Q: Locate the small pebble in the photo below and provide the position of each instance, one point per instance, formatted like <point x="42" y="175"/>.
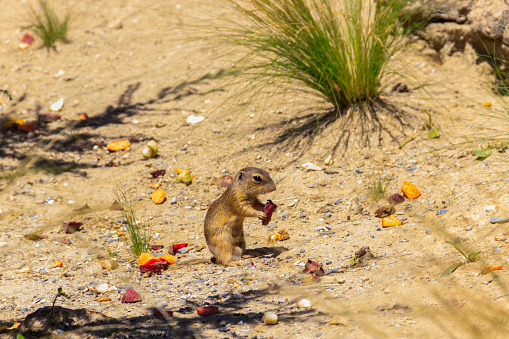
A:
<point x="469" y="228"/>
<point x="440" y="212"/>
<point x="173" y="201"/>
<point x="499" y="220"/>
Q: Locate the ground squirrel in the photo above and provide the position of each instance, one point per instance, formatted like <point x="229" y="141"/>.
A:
<point x="224" y="221"/>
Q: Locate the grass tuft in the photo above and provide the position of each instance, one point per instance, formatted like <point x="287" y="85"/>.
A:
<point x="48" y="26"/>
<point x="138" y="235"/>
<point x="377" y="188"/>
<point x="339" y="49"/>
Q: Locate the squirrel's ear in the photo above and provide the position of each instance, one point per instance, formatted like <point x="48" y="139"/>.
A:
<point x="239" y="175"/>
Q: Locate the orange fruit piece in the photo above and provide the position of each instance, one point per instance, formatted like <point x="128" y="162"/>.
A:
<point x="410" y="191"/>
<point x="180" y="170"/>
<point x="391" y="221"/>
<point x="58" y="263"/>
<point x="118" y="145"/>
<point x="158" y="196"/>
<point x="488" y="269"/>
<point x="104" y="299"/>
<point x="486" y="104"/>
<point x="8" y="123"/>
<point x="170" y="259"/>
<point x="145" y="258"/>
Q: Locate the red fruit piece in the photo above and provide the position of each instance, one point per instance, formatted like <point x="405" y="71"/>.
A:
<point x="312" y="267"/>
<point x="71" y="227"/>
<point x="27" y="39"/>
<point x="131" y="296"/>
<point x="155" y="268"/>
<point x="157" y="173"/>
<point x="177" y="247"/>
<point x="206" y="310"/>
<point x="268" y="209"/>
<point x="28" y="127"/>
<point x="396" y="198"/>
<point x="156" y="247"/>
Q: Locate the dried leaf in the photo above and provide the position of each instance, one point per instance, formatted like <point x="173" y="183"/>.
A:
<point x="161" y="314"/>
<point x="451" y="269"/>
<point x="71" y="227"/>
<point x="482" y="154"/>
<point x="33" y="237"/>
<point x="157" y="173"/>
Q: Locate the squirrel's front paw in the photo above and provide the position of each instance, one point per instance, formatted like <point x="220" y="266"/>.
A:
<point x="262" y="216"/>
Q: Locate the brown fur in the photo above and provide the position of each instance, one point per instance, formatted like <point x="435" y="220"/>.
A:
<point x="224" y="222"/>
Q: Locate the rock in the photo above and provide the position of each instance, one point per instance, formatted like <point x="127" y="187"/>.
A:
<point x="109" y="264"/>
<point x="453" y="26"/>
<point x="469" y="228"/>
<point x="304" y="303"/>
<point x="499" y="220"/>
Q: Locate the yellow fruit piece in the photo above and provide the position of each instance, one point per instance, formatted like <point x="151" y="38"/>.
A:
<point x="391" y="221"/>
<point x="169" y="258"/>
<point x="58" y="263"/>
<point x="118" y="145"/>
<point x="486" y="104"/>
<point x="104" y="299"/>
<point x="180" y="171"/>
<point x="410" y="191"/>
<point x="158" y="196"/>
<point x="275" y="237"/>
<point x="144" y="258"/>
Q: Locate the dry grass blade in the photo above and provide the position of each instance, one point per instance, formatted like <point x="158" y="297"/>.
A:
<point x="337" y="49"/>
<point x="48" y="26"/>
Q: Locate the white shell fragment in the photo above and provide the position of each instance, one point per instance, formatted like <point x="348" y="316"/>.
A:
<point x="193" y="119"/>
<point x="328" y="161"/>
<point x="304" y="303"/>
<point x="103" y="288"/>
<point x="309" y="166"/>
<point x="23" y="270"/>
<point x="59" y="73"/>
<point x="270" y="318"/>
<point x="57" y="106"/>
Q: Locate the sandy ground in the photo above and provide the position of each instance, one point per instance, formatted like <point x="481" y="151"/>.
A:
<point x="126" y="69"/>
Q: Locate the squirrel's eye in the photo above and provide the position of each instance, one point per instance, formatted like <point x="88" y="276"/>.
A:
<point x="257" y="178"/>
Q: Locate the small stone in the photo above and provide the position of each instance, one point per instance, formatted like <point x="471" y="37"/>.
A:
<point x="499" y="220"/>
<point x="469" y="228"/>
<point x="304" y="303"/>
<point x="440" y="212"/>
<point x="328" y="214"/>
<point x="173" y="201"/>
<point x="109" y="264"/>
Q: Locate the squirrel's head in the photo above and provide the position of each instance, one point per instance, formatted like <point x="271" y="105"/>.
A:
<point x="255" y="181"/>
